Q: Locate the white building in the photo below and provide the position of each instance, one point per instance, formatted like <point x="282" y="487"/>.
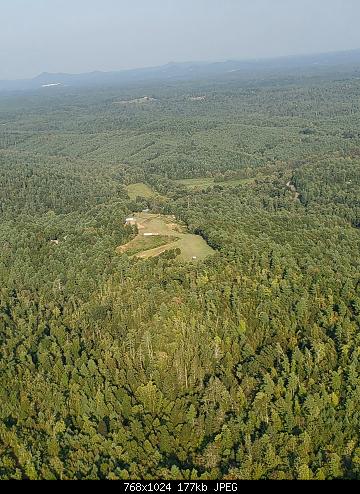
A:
<point x="130" y="221"/>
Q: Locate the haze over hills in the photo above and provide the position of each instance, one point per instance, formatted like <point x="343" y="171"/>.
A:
<point x="191" y="71"/>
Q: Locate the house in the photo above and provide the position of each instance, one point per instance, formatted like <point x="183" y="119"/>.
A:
<point x="130" y="222"/>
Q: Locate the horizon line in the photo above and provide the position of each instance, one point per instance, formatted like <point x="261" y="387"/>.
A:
<point x="212" y="61"/>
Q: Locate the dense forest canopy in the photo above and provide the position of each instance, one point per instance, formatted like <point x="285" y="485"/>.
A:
<point x="242" y="366"/>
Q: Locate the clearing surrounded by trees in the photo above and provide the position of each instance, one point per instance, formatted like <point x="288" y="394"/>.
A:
<point x="166" y="234"/>
<point x="140" y="190"/>
<point x="205" y="182"/>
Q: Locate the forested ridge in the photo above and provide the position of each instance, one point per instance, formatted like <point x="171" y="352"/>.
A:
<point x="242" y="366"/>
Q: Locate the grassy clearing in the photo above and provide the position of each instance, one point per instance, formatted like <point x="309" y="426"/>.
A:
<point x="193" y="246"/>
<point x="202" y="183"/>
<point x="140" y="189"/>
<point x="170" y="235"/>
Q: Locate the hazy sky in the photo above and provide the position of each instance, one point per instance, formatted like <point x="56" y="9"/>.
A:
<point x="86" y="35"/>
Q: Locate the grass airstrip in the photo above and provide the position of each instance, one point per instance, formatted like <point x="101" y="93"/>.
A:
<point x="159" y="233"/>
<point x="204" y="183"/>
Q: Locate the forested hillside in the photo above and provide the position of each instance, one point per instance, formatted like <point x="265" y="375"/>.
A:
<point x="242" y="366"/>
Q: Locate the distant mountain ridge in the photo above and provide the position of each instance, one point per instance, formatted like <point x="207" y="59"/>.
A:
<point x="185" y="71"/>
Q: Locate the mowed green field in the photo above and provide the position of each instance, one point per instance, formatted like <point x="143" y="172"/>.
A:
<point x="193" y="247"/>
<point x="140" y="190"/>
<point x="202" y="183"/>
